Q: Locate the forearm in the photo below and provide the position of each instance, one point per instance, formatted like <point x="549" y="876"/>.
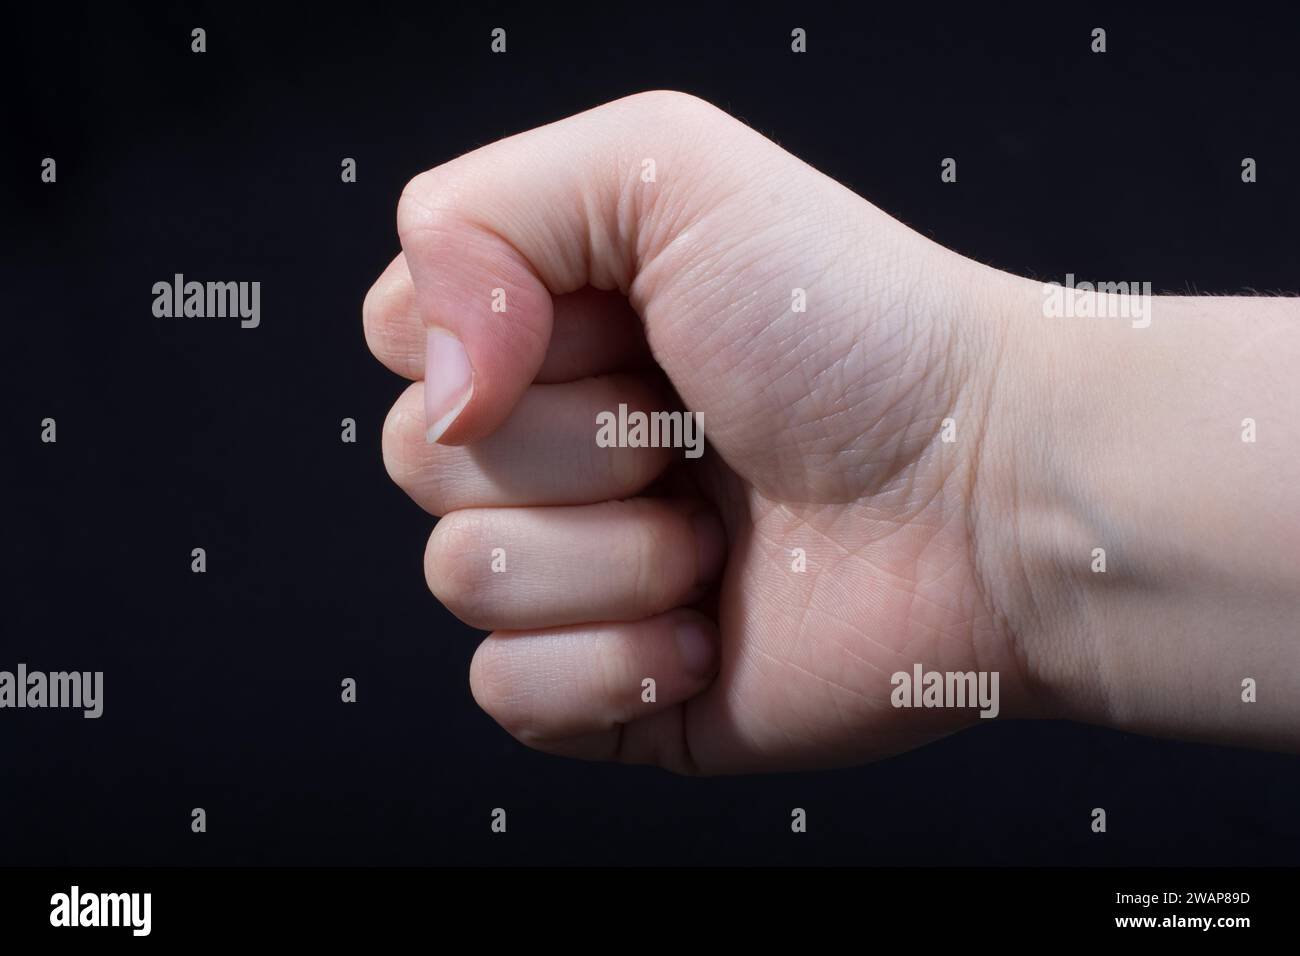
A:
<point x="1132" y="443"/>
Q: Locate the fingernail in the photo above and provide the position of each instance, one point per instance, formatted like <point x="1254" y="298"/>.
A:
<point x="710" y="545"/>
<point x="697" y="648"/>
<point x="448" y="381"/>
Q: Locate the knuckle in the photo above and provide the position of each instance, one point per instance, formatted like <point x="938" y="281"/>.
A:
<point x="427" y="473"/>
<point x="495" y="689"/>
<point x="388" y="316"/>
<point x="395" y="442"/>
<point x="417" y="209"/>
<point x="370" y="311"/>
<point x="456" y="567"/>
<point x="675" y="103"/>
<point x="391" y="449"/>
<point x="432" y="475"/>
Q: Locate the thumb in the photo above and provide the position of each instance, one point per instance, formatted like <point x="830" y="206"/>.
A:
<point x="491" y="236"/>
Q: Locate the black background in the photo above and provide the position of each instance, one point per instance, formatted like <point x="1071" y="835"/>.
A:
<point x="222" y="689"/>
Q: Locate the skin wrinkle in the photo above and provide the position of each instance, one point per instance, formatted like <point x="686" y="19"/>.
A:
<point x="645" y="213"/>
<point x="600" y="271"/>
<point x="737" y="702"/>
<point x="748" y="264"/>
<point x="801" y="627"/>
<point x="1004" y="632"/>
<point x="702" y="299"/>
<point x="892" y="466"/>
<point x="569" y="284"/>
<point x="782" y="662"/>
<point x="839" y="407"/>
<point x="856" y="628"/>
<point x="811" y="392"/>
<point x="786" y="664"/>
<point x="848" y="554"/>
<point x="644" y="288"/>
<point x="721" y="330"/>
<point x="898" y="462"/>
<point x="742" y="262"/>
<point x="914" y="593"/>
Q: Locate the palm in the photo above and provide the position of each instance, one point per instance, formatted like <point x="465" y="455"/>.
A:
<point x="835" y="578"/>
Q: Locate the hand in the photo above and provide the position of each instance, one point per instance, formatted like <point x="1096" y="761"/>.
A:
<point x="873" y="495"/>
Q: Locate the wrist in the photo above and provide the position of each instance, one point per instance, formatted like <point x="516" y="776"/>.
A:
<point x="1035" y="521"/>
<point x="1140" y="552"/>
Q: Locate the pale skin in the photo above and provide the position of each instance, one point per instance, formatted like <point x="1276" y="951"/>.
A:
<point x="824" y="437"/>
